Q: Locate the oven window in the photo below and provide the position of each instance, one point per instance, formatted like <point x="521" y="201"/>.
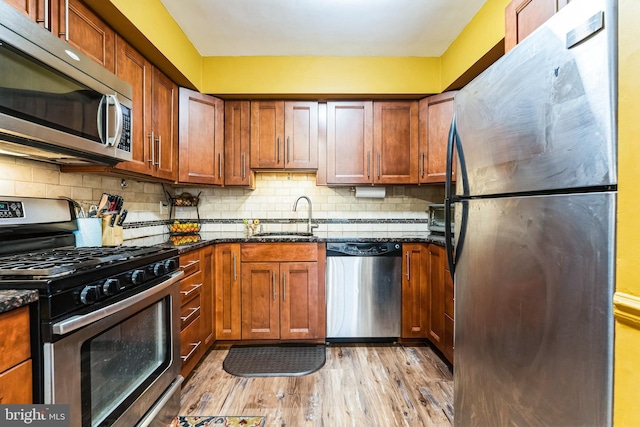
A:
<point x="121" y="362"/>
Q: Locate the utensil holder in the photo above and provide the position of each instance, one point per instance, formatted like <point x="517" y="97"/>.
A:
<point x="89" y="232"/>
<point x="111" y="236"/>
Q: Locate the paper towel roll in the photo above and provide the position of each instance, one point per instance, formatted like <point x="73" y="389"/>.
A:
<point x="89" y="232"/>
<point x="371" y="192"/>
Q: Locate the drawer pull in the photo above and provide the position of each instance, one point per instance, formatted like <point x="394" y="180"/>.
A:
<point x="193" y="350"/>
<point x="194" y="262"/>
<point x="193" y="289"/>
<point x="194" y="310"/>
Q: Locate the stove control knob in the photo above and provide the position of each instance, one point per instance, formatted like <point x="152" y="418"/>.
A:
<point x="157" y="269"/>
<point x="111" y="287"/>
<point x="170" y="265"/>
<point x="137" y="277"/>
<point x="89" y="295"/>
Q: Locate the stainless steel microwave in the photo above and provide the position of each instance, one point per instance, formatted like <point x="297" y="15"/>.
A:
<point x="56" y="104"/>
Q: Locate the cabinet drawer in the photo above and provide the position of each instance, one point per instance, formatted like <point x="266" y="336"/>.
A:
<point x="189" y="312"/>
<point x="190" y="340"/>
<point x="278" y="252"/>
<point x="190" y="262"/>
<point x="14" y="339"/>
<point x="15" y="384"/>
<point x="191" y="287"/>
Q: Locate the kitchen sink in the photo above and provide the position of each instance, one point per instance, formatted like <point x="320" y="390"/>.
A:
<point x="281" y="235"/>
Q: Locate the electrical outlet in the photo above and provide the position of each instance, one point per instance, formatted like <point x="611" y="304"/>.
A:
<point x="164" y="208"/>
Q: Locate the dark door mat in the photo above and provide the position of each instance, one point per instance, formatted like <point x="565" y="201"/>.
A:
<point x="274" y="360"/>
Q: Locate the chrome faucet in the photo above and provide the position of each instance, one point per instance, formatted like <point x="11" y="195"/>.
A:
<point x="310" y="226"/>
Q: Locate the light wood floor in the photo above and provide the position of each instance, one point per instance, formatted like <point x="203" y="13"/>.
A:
<point x="360" y="385"/>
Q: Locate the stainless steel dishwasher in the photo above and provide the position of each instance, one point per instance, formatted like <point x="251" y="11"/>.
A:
<point x="364" y="283"/>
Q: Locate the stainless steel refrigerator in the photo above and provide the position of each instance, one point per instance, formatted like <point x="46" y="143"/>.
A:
<point x="535" y="203"/>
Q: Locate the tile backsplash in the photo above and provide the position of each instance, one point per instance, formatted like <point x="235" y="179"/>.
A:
<point x="223" y="209"/>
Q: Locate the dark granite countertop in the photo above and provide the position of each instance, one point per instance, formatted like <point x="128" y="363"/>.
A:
<point x="11" y="298"/>
<point x="208" y="238"/>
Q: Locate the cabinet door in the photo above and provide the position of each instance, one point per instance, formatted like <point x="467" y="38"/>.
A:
<point x="34" y="9"/>
<point x="164" y="117"/>
<point x="227" y="301"/>
<point x="395" y="135"/>
<point x="267" y="134"/>
<point x="136" y="70"/>
<point x="415" y="291"/>
<point x="301" y="135"/>
<point x="299" y="309"/>
<point x="448" y="315"/>
<point x="82" y="28"/>
<point x="436" y="114"/>
<point x="201" y="138"/>
<point x="16" y="384"/>
<point x="260" y="300"/>
<point x="236" y="144"/>
<point x="522" y="17"/>
<point x="206" y="297"/>
<point x="349" y="142"/>
<point x="436" y="295"/>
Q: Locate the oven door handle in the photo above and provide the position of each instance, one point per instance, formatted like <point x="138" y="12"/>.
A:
<point x="77" y="322"/>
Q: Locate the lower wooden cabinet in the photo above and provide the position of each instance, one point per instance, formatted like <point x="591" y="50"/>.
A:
<point x="196" y="307"/>
<point x="15" y="358"/>
<point x="415" y="291"/>
<point x="227" y="291"/>
<point x="427" y="296"/>
<point x="282" y="292"/>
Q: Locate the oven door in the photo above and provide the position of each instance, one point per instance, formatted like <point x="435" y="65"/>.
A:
<point x="120" y="365"/>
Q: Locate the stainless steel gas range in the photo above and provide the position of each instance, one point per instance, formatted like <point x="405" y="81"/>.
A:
<point x="106" y="330"/>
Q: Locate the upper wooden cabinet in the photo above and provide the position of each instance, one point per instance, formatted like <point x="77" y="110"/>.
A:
<point x="522" y="17"/>
<point x="349" y="142"/>
<point x="436" y="114"/>
<point x="237" y="144"/>
<point x="395" y="141"/>
<point x="372" y="142"/>
<point x="37" y="10"/>
<point x="284" y="135"/>
<point x="82" y="28"/>
<point x="155" y="117"/>
<point x="201" y="155"/>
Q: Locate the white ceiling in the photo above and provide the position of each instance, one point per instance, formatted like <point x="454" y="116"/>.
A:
<point x="322" y="27"/>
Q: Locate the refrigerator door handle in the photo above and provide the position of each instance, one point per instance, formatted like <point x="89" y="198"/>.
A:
<point x="447" y="199"/>
<point x="454" y="140"/>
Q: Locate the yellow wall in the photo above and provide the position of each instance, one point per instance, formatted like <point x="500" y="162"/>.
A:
<point x="320" y="75"/>
<point x="153" y="20"/>
<point x="483" y="32"/>
<point x="316" y="75"/>
<point x="627" y="298"/>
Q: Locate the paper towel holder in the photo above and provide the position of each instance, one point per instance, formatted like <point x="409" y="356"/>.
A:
<point x="369" y="192"/>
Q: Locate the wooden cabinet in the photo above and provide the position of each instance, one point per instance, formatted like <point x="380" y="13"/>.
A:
<point x="349" y="142"/>
<point x="237" y="144"/>
<point x="282" y="292"/>
<point x="395" y="141"/>
<point x="436" y="114"/>
<point x="284" y="135"/>
<point x="415" y="291"/>
<point x="201" y="152"/>
<point x="83" y="29"/>
<point x="227" y="292"/>
<point x="447" y="348"/>
<point x="34" y="9"/>
<point x="435" y="261"/>
<point x="522" y="17"/>
<point x="196" y="308"/>
<point x="15" y="358"/>
<point x="372" y="142"/>
<point x="154" y="123"/>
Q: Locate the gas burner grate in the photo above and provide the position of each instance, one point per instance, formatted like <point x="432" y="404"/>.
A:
<point x="63" y="261"/>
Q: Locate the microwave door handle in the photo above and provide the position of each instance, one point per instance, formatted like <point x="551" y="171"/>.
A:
<point x="103" y="120"/>
<point x="106" y="103"/>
